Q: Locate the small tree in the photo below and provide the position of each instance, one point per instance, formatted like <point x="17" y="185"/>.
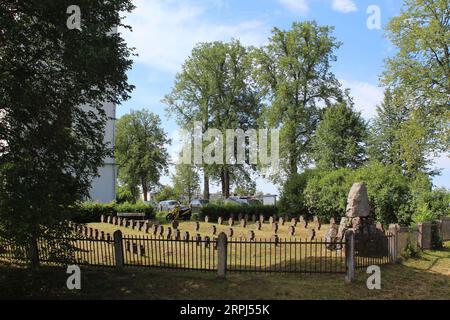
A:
<point x="141" y="150"/>
<point x="186" y="181"/>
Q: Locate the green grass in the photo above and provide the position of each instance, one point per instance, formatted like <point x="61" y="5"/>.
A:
<point x="427" y="277"/>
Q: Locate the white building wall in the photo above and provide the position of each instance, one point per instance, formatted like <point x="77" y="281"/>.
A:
<point x="104" y="187"/>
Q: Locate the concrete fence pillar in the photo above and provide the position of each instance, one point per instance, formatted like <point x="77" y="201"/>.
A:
<point x="349" y="255"/>
<point x="222" y="245"/>
<point x="393" y="242"/>
<point x="118" y="250"/>
<point x="425" y="233"/>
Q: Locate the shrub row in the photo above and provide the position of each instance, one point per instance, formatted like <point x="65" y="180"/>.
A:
<point x="214" y="211"/>
<point x="92" y="211"/>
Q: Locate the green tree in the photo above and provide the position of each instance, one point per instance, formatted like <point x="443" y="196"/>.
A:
<point x="294" y="70"/>
<point x="167" y="193"/>
<point x="384" y="144"/>
<point x="186" y="181"/>
<point x="141" y="152"/>
<point x="339" y="141"/>
<point x="421" y="67"/>
<point x="53" y="85"/>
<point x="215" y="88"/>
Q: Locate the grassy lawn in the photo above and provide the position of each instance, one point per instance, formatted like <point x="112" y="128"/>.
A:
<point x="427" y="277"/>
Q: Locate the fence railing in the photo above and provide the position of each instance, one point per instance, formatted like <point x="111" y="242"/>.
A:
<point x="220" y="254"/>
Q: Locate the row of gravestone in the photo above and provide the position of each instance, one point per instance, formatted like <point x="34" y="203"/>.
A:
<point x="302" y="222"/>
<point x="89" y="232"/>
<point x="138" y="225"/>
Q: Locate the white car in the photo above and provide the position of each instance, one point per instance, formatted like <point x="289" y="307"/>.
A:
<point x="167" y="205"/>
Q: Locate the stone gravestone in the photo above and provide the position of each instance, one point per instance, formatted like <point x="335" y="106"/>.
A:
<point x="91" y="232"/>
<point x="294" y="222"/>
<point x="271" y="220"/>
<point x="155" y="229"/>
<point x="197" y="226"/>
<point x="230" y="232"/>
<point x="119" y="221"/>
<point x="138" y="226"/>
<point x="207" y="241"/>
<point x="251" y="235"/>
<point x="331" y="236"/>
<point x="311" y="234"/>
<point x="108" y="220"/>
<point x="303" y="222"/>
<point x="141" y="250"/>
<point x="253" y="218"/>
<point x="102" y="218"/>
<point x="332" y="221"/>
<point x="243" y="223"/>
<point x="291" y="231"/>
<point x="96" y="234"/>
<point x="198" y="239"/>
<point x="261" y="218"/>
<point x="108" y="237"/>
<point x="206" y="219"/>
<point x="258" y="225"/>
<point x="281" y="221"/>
<point x="175" y="224"/>
<point x="219" y="221"/>
<point x="230" y="222"/>
<point x="146" y="227"/>
<point x="161" y="231"/>
<point x="177" y="234"/>
<point x="213" y="230"/>
<point x="317" y="222"/>
<point x="102" y="235"/>
<point x="169" y="233"/>
<point x="132" y="224"/>
<point x="275" y="239"/>
<point x="125" y="222"/>
<point x="186" y="236"/>
<point x="275" y="227"/>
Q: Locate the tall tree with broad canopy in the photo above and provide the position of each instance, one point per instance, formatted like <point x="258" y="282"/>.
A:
<point x="294" y="71"/>
<point x="340" y="138"/>
<point x="215" y="87"/>
<point x="420" y="70"/>
<point x="141" y="152"/>
<point x="53" y="84"/>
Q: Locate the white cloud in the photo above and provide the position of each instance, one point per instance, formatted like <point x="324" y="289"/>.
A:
<point x="298" y="6"/>
<point x="366" y="96"/>
<point x="344" y="6"/>
<point x="164" y="32"/>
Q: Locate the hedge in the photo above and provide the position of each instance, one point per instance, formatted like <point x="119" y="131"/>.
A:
<point x="214" y="211"/>
<point x="87" y="212"/>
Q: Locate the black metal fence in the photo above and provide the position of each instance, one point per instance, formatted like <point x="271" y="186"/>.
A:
<point x="286" y="256"/>
<point x="159" y="252"/>
<point x="201" y="254"/>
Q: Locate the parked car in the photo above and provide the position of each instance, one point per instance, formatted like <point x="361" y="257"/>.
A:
<point x="197" y="204"/>
<point x="167" y="205"/>
<point x="243" y="201"/>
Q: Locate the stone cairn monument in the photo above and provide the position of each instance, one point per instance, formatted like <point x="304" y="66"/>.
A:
<point x="370" y="240"/>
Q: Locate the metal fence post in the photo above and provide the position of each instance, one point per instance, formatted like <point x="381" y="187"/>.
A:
<point x="33" y="253"/>
<point x="118" y="249"/>
<point x="222" y="245"/>
<point x="393" y="243"/>
<point x="349" y="255"/>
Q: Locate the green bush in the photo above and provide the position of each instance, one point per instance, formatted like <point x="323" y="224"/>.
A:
<point x="87" y="212"/>
<point x="390" y="193"/>
<point x="214" y="211"/>
<point x="292" y="201"/>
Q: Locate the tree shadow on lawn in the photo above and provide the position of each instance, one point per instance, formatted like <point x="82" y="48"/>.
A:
<point x="398" y="282"/>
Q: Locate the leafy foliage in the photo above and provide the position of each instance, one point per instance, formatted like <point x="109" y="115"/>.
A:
<point x="87" y="212"/>
<point x="53" y="86"/>
<point x="141" y="150"/>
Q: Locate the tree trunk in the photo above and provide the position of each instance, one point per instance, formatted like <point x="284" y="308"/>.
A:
<point x="205" y="185"/>
<point x="226" y="177"/>
<point x="144" y="189"/>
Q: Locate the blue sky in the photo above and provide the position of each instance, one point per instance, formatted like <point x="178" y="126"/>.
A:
<point x="165" y="31"/>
